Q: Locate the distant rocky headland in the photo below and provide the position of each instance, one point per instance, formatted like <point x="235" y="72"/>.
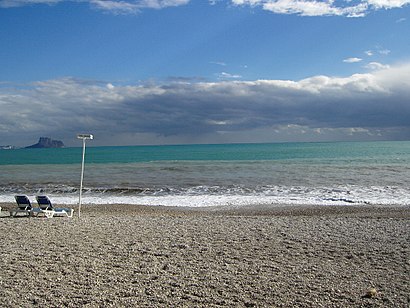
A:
<point x="45" y="142"/>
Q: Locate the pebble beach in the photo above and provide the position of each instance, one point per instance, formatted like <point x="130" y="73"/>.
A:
<point x="139" y="256"/>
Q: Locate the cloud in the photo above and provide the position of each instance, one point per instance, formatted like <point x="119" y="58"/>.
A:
<point x="112" y="6"/>
<point x="299" y="7"/>
<point x="384" y="51"/>
<point x="376" y="66"/>
<point x="160" y="4"/>
<point x="314" y="8"/>
<point x="110" y="86"/>
<point x="218" y="63"/>
<point x="323" y="8"/>
<point x="379" y="50"/>
<point x="116" y="7"/>
<point x="131" y="7"/>
<point x="388" y="4"/>
<point x="225" y="75"/>
<point x="17" y="3"/>
<point x="352" y="60"/>
<point x="373" y="105"/>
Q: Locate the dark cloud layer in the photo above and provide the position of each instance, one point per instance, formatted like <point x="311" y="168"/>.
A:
<point x="362" y="106"/>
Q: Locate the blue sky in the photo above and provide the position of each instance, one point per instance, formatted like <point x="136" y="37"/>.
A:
<point x="180" y="71"/>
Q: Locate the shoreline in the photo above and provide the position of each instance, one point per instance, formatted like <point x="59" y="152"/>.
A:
<point x="146" y="256"/>
<point x="243" y="210"/>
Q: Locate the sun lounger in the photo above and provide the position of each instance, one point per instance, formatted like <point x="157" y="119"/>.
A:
<point x="48" y="210"/>
<point x="23" y="206"/>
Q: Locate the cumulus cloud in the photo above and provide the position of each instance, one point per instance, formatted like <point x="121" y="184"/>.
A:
<point x="388" y="4"/>
<point x="305" y="8"/>
<point x="323" y="8"/>
<point x="366" y="105"/>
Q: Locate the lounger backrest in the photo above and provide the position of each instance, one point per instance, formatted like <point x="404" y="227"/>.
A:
<point x="44" y="203"/>
<point x="23" y="202"/>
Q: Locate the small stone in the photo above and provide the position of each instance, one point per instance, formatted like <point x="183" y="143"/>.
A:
<point x="372" y="292"/>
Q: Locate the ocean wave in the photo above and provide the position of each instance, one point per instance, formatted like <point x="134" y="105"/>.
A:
<point x="202" y="195"/>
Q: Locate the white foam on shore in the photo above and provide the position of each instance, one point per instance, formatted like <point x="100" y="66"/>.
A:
<point x="213" y="200"/>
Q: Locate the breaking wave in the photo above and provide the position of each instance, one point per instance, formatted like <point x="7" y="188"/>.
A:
<point x="202" y="195"/>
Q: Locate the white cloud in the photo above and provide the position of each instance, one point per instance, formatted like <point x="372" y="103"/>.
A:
<point x="384" y="51"/>
<point x="358" y="106"/>
<point x="352" y="60"/>
<point x="17" y="3"/>
<point x="304" y="8"/>
<point x="369" y="53"/>
<point x="300" y="7"/>
<point x="225" y="75"/>
<point x="130" y="7"/>
<point x="376" y="66"/>
<point x="218" y="63"/>
<point x="160" y="4"/>
<point x="323" y="8"/>
<point x="388" y="4"/>
<point x="112" y="6"/>
<point x="116" y="7"/>
<point x="110" y="86"/>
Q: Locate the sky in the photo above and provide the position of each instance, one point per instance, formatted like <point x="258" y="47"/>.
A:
<point x="136" y="72"/>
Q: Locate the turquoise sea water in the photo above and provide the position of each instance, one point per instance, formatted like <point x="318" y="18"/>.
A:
<point x="208" y="175"/>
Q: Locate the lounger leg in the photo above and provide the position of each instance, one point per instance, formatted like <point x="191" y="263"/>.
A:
<point x="16" y="212"/>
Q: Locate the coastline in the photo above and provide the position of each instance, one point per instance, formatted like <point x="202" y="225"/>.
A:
<point x="231" y="210"/>
<point x="287" y="256"/>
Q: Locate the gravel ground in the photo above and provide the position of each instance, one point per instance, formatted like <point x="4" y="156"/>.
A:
<point x="135" y="256"/>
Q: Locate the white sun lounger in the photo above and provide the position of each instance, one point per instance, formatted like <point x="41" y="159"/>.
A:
<point x="48" y="210"/>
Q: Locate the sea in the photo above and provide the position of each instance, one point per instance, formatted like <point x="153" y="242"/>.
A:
<point x="228" y="175"/>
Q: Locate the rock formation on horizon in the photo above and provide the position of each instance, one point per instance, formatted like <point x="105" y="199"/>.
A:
<point x="45" y="142"/>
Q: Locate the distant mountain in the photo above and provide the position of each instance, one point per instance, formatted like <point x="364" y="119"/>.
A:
<point x="45" y="142"/>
